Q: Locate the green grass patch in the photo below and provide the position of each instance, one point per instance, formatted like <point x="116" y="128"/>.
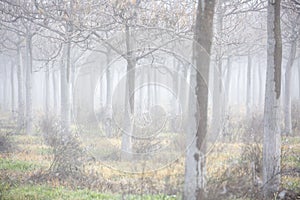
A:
<point x="16" y="165"/>
<point x="151" y="197"/>
<point x="37" y="192"/>
<point x="44" y="192"/>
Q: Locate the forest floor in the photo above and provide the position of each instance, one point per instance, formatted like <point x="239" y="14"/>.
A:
<point x="234" y="172"/>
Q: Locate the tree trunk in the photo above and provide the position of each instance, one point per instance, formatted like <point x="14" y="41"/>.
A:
<point x="108" y="118"/>
<point x="249" y="97"/>
<point x="238" y="82"/>
<point x="149" y="88"/>
<point x="217" y="120"/>
<point x="287" y="105"/>
<point x="65" y="88"/>
<point x="155" y="87"/>
<point x="299" y="78"/>
<point x="195" y="169"/>
<point x="55" y="92"/>
<point x="272" y="138"/>
<point x="227" y="85"/>
<point x="260" y="85"/>
<point x="29" y="122"/>
<point x="12" y="84"/>
<point x="218" y="93"/>
<point x="126" y="145"/>
<point x="47" y="91"/>
<point x="20" y="89"/>
<point x="175" y="83"/>
<point x="4" y="89"/>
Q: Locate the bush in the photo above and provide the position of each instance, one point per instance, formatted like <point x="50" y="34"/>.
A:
<point x="242" y="178"/>
<point x="6" y="143"/>
<point x="69" y="156"/>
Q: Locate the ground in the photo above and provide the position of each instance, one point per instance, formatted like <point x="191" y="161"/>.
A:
<point x="233" y="173"/>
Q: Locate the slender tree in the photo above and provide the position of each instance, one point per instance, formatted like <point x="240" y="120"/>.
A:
<point x="272" y="138"/>
<point x="195" y="171"/>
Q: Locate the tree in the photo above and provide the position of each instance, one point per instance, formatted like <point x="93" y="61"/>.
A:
<point x="272" y="138"/>
<point x="290" y="21"/>
<point x="287" y="101"/>
<point x="195" y="170"/>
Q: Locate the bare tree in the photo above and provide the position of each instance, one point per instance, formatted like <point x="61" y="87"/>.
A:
<point x="290" y="19"/>
<point x="195" y="171"/>
<point x="272" y="138"/>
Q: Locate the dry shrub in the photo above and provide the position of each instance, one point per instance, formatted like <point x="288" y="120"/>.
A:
<point x="69" y="156"/>
<point x="7" y="129"/>
<point x="244" y="129"/>
<point x="6" y="143"/>
<point x="242" y="179"/>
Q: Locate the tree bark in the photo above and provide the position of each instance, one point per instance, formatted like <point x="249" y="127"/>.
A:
<point x="299" y="78"/>
<point x="272" y="138"/>
<point x="47" y="91"/>
<point x="195" y="169"/>
<point x="55" y="92"/>
<point x="227" y="84"/>
<point x="4" y="89"/>
<point x="238" y="82"/>
<point x="65" y="88"/>
<point x="218" y="90"/>
<point x="12" y="84"/>
<point x="217" y="120"/>
<point x="29" y="119"/>
<point x="20" y="89"/>
<point x="260" y="85"/>
<point x="249" y="84"/>
<point x="126" y="145"/>
<point x="287" y="105"/>
<point x="108" y="118"/>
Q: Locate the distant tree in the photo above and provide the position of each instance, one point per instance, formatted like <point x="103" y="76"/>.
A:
<point x="291" y="24"/>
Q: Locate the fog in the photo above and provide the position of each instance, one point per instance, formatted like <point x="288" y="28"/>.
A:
<point x="139" y="99"/>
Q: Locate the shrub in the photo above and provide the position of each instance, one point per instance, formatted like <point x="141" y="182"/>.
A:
<point x="6" y="143"/>
<point x="69" y="156"/>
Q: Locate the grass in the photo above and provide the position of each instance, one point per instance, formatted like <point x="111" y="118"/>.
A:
<point x="37" y="192"/>
<point x="16" y="165"/>
<point x="34" y="155"/>
<point x="45" y="192"/>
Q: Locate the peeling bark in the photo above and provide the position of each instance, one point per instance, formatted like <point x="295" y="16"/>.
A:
<point x="195" y="169"/>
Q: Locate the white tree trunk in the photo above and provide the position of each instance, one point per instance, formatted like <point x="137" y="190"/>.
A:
<point x="12" y="84"/>
<point x="260" y="85"/>
<point x="272" y="138"/>
<point x="218" y="90"/>
<point x="55" y="91"/>
<point x="217" y="120"/>
<point x="126" y="145"/>
<point x="249" y="96"/>
<point x="29" y="122"/>
<point x="195" y="168"/>
<point x="227" y="85"/>
<point x="4" y="89"/>
<point x="238" y="82"/>
<point x="47" y="90"/>
<point x="20" y="89"/>
<point x="65" y="89"/>
<point x="299" y="78"/>
<point x="287" y="96"/>
<point x="149" y="89"/>
<point x="108" y="118"/>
